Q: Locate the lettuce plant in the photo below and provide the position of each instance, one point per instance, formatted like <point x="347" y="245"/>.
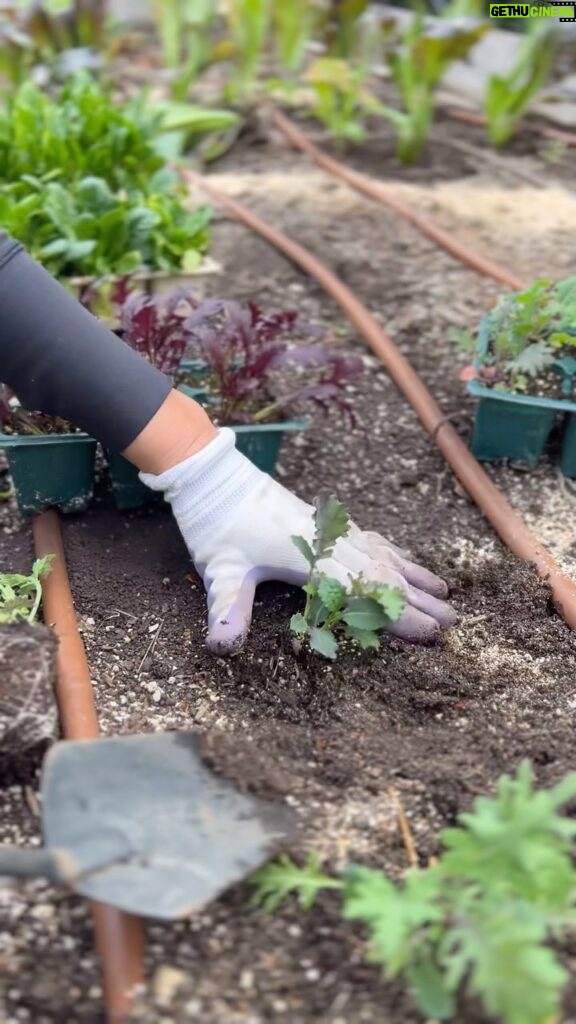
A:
<point x="418" y="62"/>
<point x="481" y="920"/>
<point x="508" y="97"/>
<point x="331" y="611"/>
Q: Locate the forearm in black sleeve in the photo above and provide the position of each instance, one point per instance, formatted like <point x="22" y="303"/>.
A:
<point x="61" y="360"/>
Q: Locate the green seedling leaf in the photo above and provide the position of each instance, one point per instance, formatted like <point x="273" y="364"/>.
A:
<point x="275" y="882"/>
<point x="392" y="601"/>
<point x="298" y="625"/>
<point x="304" y="549"/>
<point x="332" y="594"/>
<point x="365" y="613"/>
<point x="365" y="638"/>
<point x="324" y="642"/>
<point x="332" y="523"/>
<point x="434" y="999"/>
<point x="20" y="595"/>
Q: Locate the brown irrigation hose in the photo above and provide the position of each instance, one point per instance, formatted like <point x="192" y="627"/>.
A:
<point x="119" y="937"/>
<point x="471" y="117"/>
<point x="374" y="190"/>
<point x="473" y="478"/>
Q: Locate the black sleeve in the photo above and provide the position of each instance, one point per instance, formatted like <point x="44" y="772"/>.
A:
<point x="61" y="360"/>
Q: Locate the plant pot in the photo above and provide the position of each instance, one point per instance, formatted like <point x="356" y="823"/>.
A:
<point x="51" y="470"/>
<point x="513" y="426"/>
<point x="568" y="459"/>
<point x="154" y="282"/>
<point x="128" y="490"/>
<point x="261" y="442"/>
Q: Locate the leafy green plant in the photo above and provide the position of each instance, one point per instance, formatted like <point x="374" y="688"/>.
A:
<point x="480" y="921"/>
<point x="508" y="97"/>
<point x="531" y="333"/>
<point x="86" y="229"/>
<point x="339" y="25"/>
<point x="419" y="62"/>
<point x="185" y="28"/>
<point x="356" y="614"/>
<point x="248" y="23"/>
<point x="84" y="187"/>
<point x="293" y="27"/>
<point x="20" y="595"/>
<point x="342" y="98"/>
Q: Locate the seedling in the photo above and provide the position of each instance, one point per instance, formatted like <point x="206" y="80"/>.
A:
<point x="255" y="371"/>
<point x="248" y="24"/>
<point x="332" y="611"/>
<point x="293" y="27"/>
<point x="509" y="97"/>
<point x="340" y="27"/>
<point x="532" y="345"/>
<point x="418" y="63"/>
<point x="20" y="595"/>
<point x="16" y="420"/>
<point x="84" y="188"/>
<point x="478" y="922"/>
<point x="342" y="100"/>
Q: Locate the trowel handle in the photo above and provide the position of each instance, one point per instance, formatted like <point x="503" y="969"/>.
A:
<point x="31" y="863"/>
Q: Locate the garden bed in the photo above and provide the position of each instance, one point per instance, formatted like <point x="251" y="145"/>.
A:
<point x="439" y="725"/>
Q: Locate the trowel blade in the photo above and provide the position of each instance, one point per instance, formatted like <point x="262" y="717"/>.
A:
<point x="184" y="835"/>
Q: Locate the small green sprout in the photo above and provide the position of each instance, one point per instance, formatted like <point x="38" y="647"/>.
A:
<point x="477" y="922"/>
<point x="357" y="614"/>
<point x="20" y="595"/>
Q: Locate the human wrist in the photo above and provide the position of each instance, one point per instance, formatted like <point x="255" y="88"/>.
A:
<point x="179" y="429"/>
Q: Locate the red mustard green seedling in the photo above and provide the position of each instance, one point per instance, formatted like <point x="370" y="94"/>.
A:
<point x="333" y="612"/>
<point x="480" y="920"/>
<point x="256" y="369"/>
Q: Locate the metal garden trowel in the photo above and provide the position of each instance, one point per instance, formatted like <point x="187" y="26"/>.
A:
<point x="140" y="823"/>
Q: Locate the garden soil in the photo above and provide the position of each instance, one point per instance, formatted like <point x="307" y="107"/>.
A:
<point x="344" y="744"/>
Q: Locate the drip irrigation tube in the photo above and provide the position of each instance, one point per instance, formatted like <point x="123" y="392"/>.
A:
<point x="373" y="189"/>
<point x="473" y="478"/>
<point x="119" y="937"/>
<point x="471" y="117"/>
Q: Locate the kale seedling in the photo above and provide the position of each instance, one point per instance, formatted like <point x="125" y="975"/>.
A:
<point x="530" y="333"/>
<point x="358" y="613"/>
<point x="20" y="595"/>
<point x="479" y="921"/>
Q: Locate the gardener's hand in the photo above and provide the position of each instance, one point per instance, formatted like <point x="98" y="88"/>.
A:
<point x="238" y="523"/>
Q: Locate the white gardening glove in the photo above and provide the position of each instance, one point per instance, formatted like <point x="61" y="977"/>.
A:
<point x="238" y="523"/>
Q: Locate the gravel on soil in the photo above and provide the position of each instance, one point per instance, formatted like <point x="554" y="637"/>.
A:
<point x="438" y="725"/>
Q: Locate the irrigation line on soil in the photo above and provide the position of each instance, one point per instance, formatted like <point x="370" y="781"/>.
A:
<point x="119" y="936"/>
<point x="471" y="117"/>
<point x="473" y="478"/>
<point x="374" y="190"/>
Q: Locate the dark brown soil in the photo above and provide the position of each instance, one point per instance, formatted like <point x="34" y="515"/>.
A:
<point x="438" y="725"/>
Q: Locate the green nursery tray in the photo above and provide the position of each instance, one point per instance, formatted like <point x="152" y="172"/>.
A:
<point x="51" y="470"/>
<point x="513" y="426"/>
